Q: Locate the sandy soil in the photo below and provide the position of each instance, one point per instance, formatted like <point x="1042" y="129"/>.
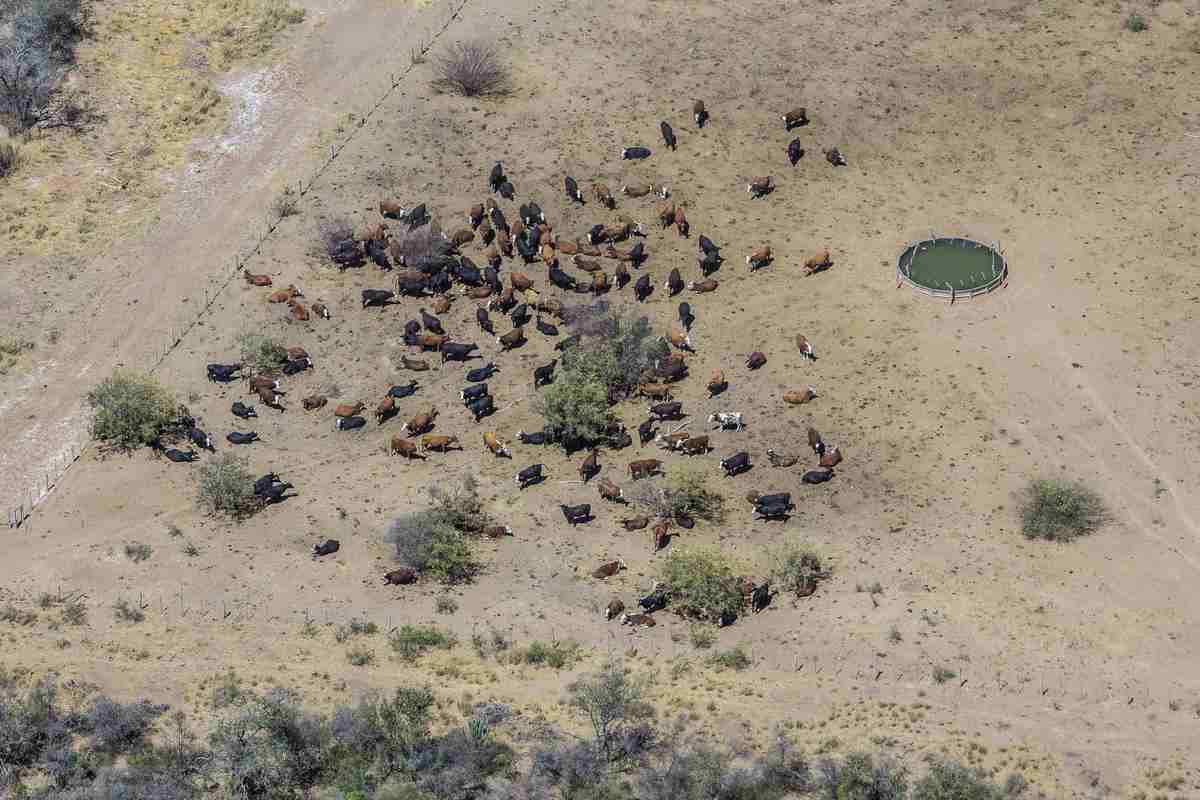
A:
<point x="1046" y="127"/>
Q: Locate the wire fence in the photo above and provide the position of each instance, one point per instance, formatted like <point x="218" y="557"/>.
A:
<point x="212" y="291"/>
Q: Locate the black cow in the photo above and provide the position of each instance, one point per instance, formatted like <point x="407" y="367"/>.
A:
<point x="411" y="328"/>
<point x="778" y="498"/>
<point x="417" y="217"/>
<point x="452" y="351"/>
<point x="431" y="323"/>
<point x="532" y="214"/>
<point x="506" y="190"/>
<point x="234" y="437"/>
<point x="656" y="600"/>
<point x="400" y="392"/>
<point x="377" y="252"/>
<point x="297" y="365"/>
<point x="544" y="374"/>
<point x="595" y="234"/>
<point x="242" y="410"/>
<point x="577" y="514"/>
<point x="473" y="392"/>
<point x="468" y="274"/>
<point x="637" y="254"/>
<point x="537" y="437"/>
<point x="685" y="316"/>
<point x="760" y="597"/>
<point x="573" y="190"/>
<point x="519" y="315"/>
<point x="774" y="511"/>
<point x="642" y="288"/>
<point x="815" y="476"/>
<point x="496" y="177"/>
<point x="412" y="287"/>
<point x="482" y="407"/>
<point x="180" y="456"/>
<point x="646" y="431"/>
<point x="561" y="279"/>
<point x="498" y="220"/>
<point x="674" y="282"/>
<point x="262" y="485"/>
<point x="223" y="373"/>
<point x="377" y="297"/>
<point x="710" y="263"/>
<point x="490" y="276"/>
<point x="635" y="153"/>
<point x="485" y="322"/>
<point x="326" y="548"/>
<point x="667" y="134"/>
<point x="276" y="493"/>
<point x="530" y="475"/>
<point x="736" y="464"/>
<point x="545" y="328"/>
<point x="439" y="283"/>
<point x="671" y="410"/>
<point x="200" y="439"/>
<point x="482" y="373"/>
<point x="795" y="151"/>
<point x="620" y="439"/>
<point x="708" y="247"/>
<point x="349" y="423"/>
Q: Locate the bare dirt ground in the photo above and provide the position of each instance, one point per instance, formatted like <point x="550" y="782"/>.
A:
<point x="1046" y="127"/>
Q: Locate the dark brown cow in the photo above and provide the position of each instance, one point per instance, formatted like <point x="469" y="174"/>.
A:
<point x="644" y="468"/>
<point x="284" y="295"/>
<point x="314" y="402"/>
<point x="400" y="577"/>
<point x="590" y="466"/>
<point x="610" y="491"/>
<point x="608" y="570"/>
<point x="256" y="280"/>
<point x="660" y="535"/>
<point x="634" y="523"/>
<point x="297" y="311"/>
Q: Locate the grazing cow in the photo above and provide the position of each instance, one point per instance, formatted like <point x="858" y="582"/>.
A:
<point x="545" y="328"/>
<point x="760" y="597"/>
<point x="412" y="287"/>
<point x="660" y="535"/>
<point x="642" y="288"/>
<point x="656" y="600"/>
<point x="614" y="609"/>
<point x="295" y="353"/>
<point x="795" y="118"/>
<point x="411" y="328"/>
<point x="801" y="397"/>
<point x="256" y="280"/>
<point x="779" y="459"/>
<point x="415" y="364"/>
<point x="321" y="310"/>
<point x="717" y="384"/>
<point x="520" y="281"/>
<point x="835" y="157"/>
<point x="603" y="196"/>
<point x="608" y="570"/>
<point x="285" y="295"/>
<point x="795" y="151"/>
<point x="699" y="114"/>
<point x="533" y="216"/>
<point x="242" y="410"/>
<point x="277" y="493"/>
<point x="483" y="407"/>
<point x="634" y="523"/>
<point x="814" y="476"/>
<point x="514" y="338"/>
<point x="638" y="620"/>
<point x="377" y="252"/>
<point x="686" y="318"/>
<point x="572" y="189"/>
<point x="681" y="223"/>
<point x="200" y="439"/>
<point x="349" y="423"/>
<point x="668" y="135"/>
<point x="610" y="491"/>
<point x="439" y="444"/>
<point x="180" y="456"/>
<point x="402" y="447"/>
<point x="348" y="409"/>
<point x="296" y="366"/>
<point x="544" y="374"/>
<point x="644" y="468"/>
<point x="420" y="423"/>
<point x="496" y="177"/>
<point x="664" y="411"/>
<point x="561" y="279"/>
<point x="646" y="432"/>
<point x="755" y="360"/>
<point x="672" y="440"/>
<point x="694" y="446"/>
<point x="817" y="262"/>
<point x="297" y="311"/>
<point x="482" y="373"/>
<point x="376" y="297"/>
<point x="385" y="410"/>
<point x="666" y="215"/>
<point x="496" y="531"/>
<point x="495" y="446"/>
<point x="708" y="247"/>
<point x="453" y="351"/>
<point x="235" y="437"/>
<point x="530" y="475"/>
<point x="475" y="216"/>
<point x="674" y="283"/>
<point x="504" y="242"/>
<point x="815" y="442"/>
<point x="590" y="466"/>
<point x="325" y="548"/>
<point x="264" y="483"/>
<point x="635" y="153"/>
<point x="473" y="392"/>
<point x="760" y="187"/>
<point x="503" y="302"/>
<point x="576" y="514"/>
<point x="736" y="464"/>
<point x="223" y="373"/>
<point x="636" y="254"/>
<point x="701" y="287"/>
<point x="401" y="392"/>
<point x="832" y="457"/>
<point x="726" y="420"/>
<point x="680" y="340"/>
<point x="400" y="577"/>
<point x="759" y="258"/>
<point x="778" y="498"/>
<point x="484" y="321"/>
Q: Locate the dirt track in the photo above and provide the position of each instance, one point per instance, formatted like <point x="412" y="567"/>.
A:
<point x="1078" y="660"/>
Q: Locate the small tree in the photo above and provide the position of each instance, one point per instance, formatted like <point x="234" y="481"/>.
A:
<point x="616" y="350"/>
<point x="131" y="410"/>
<point x="576" y="407"/>
<point x="226" y="486"/>
<point x="797" y="568"/>
<point x="470" y="69"/>
<point x="684" y="493"/>
<point x="460" y="506"/>
<point x="1060" y="510"/>
<point x="613" y="702"/>
<point x="701" y="584"/>
<point x="260" y="351"/>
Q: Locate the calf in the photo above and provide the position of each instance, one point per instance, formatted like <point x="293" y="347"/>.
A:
<point x="285" y="295"/>
<point x="427" y="341"/>
<point x="801" y="397"/>
<point x="495" y="446"/>
<point x="401" y="392"/>
<point x="725" y="420"/>
<point x="614" y="609"/>
<point x="482" y="373"/>
<point x="835" y="157"/>
<point x="420" y="423"/>
<point x="590" y="466"/>
<point x="814" y="476"/>
<point x="326" y="548"/>
<point x="576" y="514"/>
<point x="635" y="153"/>
<point x="663" y="411"/>
<point x="349" y="423"/>
<point x="483" y="407"/>
<point x="760" y="187"/>
<point x="608" y="570"/>
<point x="223" y="373"/>
<point x="400" y="577"/>
<point x="644" y="468"/>
<point x="603" y="196"/>
<point x="512" y="339"/>
<point x="376" y="297"/>
<point x="674" y="282"/>
<point x="779" y="459"/>
<point x="634" y="523"/>
<point x="755" y="360"/>
<point x="180" y="456"/>
<point x="235" y="437"/>
<point x="544" y="374"/>
<point x="817" y="261"/>
<point x="638" y="620"/>
<point x="400" y="446"/>
<point x="321" y="310"/>
<point x="610" y="491"/>
<point x="313" y="402"/>
<point x="759" y="258"/>
<point x="795" y="151"/>
<point x="805" y="347"/>
<point x="497" y="531"/>
<point x="643" y="189"/>
<point x="529" y="476"/>
<point x="415" y="364"/>
<point x="391" y="209"/>
<point x="795" y="118"/>
<point x="699" y="114"/>
<point x="572" y="189"/>
<point x="439" y="444"/>
<point x="736" y="464"/>
<point x="717" y="384"/>
<point x="242" y="410"/>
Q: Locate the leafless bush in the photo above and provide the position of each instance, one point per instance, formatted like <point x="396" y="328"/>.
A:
<point x="335" y="241"/>
<point x="470" y="69"/>
<point x="36" y="51"/>
<point x="422" y="243"/>
<point x="10" y="158"/>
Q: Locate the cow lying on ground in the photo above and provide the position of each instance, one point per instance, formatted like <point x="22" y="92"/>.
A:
<point x="328" y="547"/>
<point x="577" y="514"/>
<point x="529" y="476"/>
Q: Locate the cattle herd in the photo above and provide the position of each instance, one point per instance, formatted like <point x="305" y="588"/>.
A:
<point x="441" y="270"/>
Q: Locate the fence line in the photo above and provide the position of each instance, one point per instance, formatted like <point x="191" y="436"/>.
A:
<point x="175" y="334"/>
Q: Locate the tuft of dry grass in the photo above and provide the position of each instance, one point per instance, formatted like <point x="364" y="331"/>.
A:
<point x="471" y="69"/>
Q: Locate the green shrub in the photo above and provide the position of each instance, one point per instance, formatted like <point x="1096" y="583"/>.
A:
<point x="576" y="406"/>
<point x="493" y="643"/>
<point x="131" y="410"/>
<point x="135" y="551"/>
<point x="1060" y="510"/>
<point x="360" y="656"/>
<point x="126" y="611"/>
<point x="437" y="541"/>
<point x="797" y="568"/>
<point x="17" y="616"/>
<point x="460" y="506"/>
<point x="445" y="604"/>
<point x="613" y="702"/>
<point x="862" y="776"/>
<point x="226" y="486"/>
<point x="949" y="780"/>
<point x="285" y="204"/>
<point x="355" y="627"/>
<point x="735" y="658"/>
<point x="412" y="641"/>
<point x="702" y="637"/>
<point x="618" y="350"/>
<point x="557" y="655"/>
<point x="228" y="691"/>
<point x="74" y="612"/>
<point x="1136" y="23"/>
<point x="10" y="158"/>
<point x="470" y="69"/>
<point x="941" y="675"/>
<point x="260" y="351"/>
<point x="702" y="584"/>
<point x="36" y="52"/>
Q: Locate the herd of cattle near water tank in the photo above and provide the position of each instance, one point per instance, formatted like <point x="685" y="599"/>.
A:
<point x="431" y="276"/>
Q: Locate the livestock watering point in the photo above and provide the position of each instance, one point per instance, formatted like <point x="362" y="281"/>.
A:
<point x="952" y="267"/>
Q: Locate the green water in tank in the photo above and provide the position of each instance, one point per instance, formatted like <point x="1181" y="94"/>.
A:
<point x="947" y="262"/>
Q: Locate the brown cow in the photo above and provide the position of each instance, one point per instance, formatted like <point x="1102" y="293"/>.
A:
<point x="269" y="397"/>
<point x="284" y="295"/>
<point x="348" y="409"/>
<point x="256" y="280"/>
<point x="547" y="253"/>
<point x="441" y="303"/>
<point x="666" y="214"/>
<point x="439" y="444"/>
<point x="610" y="491"/>
<point x="638" y="620"/>
<point x="681" y="340"/>
<point x="681" y="223"/>
<point x="415" y="364"/>
<point x="402" y="447"/>
<point x="614" y="609"/>
<point x="298" y="312"/>
<point x="374" y="233"/>
<point x="497" y="447"/>
<point x="520" y="281"/>
<point x="708" y="285"/>
<point x="619" y="255"/>
<point x="315" y="401"/>
<point x="497" y="531"/>
<point x="479" y="292"/>
<point x="815" y="442"/>
<point x="643" y="189"/>
<point x="603" y="195"/>
<point x="431" y="341"/>
<point x="801" y="397"/>
<point x="755" y="360"/>
<point x="550" y="305"/>
<point x="587" y="265"/>
<point x="391" y="209"/>
<point x="492" y="256"/>
<point x="590" y="466"/>
<point x="832" y="457"/>
<point x="599" y="282"/>
<point x="779" y="459"/>
<point x="566" y="248"/>
<point x="696" y="445"/>
<point x="644" y="468"/>
<point x="608" y="570"/>
<point x="717" y="384"/>
<point x="760" y="186"/>
<point x="621" y="272"/>
<point x="817" y="261"/>
<point x="461" y="236"/>
<point x="660" y="535"/>
<point x="806" y="348"/>
<point x="420" y="423"/>
<point x="655" y="391"/>
<point x="511" y="339"/>
<point x="760" y="257"/>
<point x="321" y="310"/>
<point x="504" y="241"/>
<point x="487" y="234"/>
<point x="400" y="577"/>
<point x="385" y="409"/>
<point x="634" y="523"/>
<point x="795" y="118"/>
<point x="266" y="380"/>
<point x="504" y="301"/>
<point x="475" y="215"/>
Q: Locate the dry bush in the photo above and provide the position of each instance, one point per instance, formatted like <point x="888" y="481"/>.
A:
<point x="260" y="351"/>
<point x="335" y="241"/>
<point x="702" y="584"/>
<point x="797" y="568"/>
<point x="10" y="158"/>
<point x="684" y="492"/>
<point x="1060" y="510"/>
<point x="470" y="69"/>
<point x="419" y="244"/>
<point x="36" y="51"/>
